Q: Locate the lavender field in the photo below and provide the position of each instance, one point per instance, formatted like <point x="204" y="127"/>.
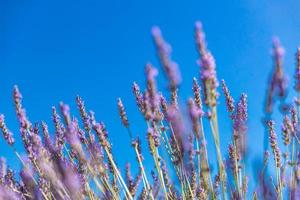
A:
<point x="146" y="100"/>
<point x="76" y="160"/>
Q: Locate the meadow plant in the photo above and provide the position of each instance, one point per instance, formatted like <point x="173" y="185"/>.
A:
<point x="77" y="160"/>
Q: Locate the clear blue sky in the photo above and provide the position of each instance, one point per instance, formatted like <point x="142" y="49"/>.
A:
<point x="55" y="50"/>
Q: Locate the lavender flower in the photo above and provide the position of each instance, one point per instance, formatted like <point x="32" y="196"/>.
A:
<point x="164" y="52"/>
<point x="197" y="93"/>
<point x="297" y="72"/>
<point x="200" y="38"/>
<point x="46" y="136"/>
<point x="273" y="143"/>
<point x="80" y="132"/>
<point x="175" y="118"/>
<point x="294" y="118"/>
<point x="195" y="114"/>
<point x="102" y="136"/>
<point x="6" y="193"/>
<point x="233" y="158"/>
<point x="148" y="114"/>
<point x="2" y="169"/>
<point x="228" y="97"/>
<point x="122" y="113"/>
<point x="240" y="125"/>
<point x="25" y="124"/>
<point x="287" y="130"/>
<point x="138" y="97"/>
<point x="278" y="51"/>
<point x="21" y="113"/>
<point x="83" y="114"/>
<point x="241" y="115"/>
<point x="207" y="69"/>
<point x="71" y="132"/>
<point x="65" y="110"/>
<point x="201" y="193"/>
<point x="277" y="85"/>
<point x="151" y="73"/>
<point x="8" y="136"/>
<point x="131" y="182"/>
<point x="174" y="98"/>
<point x="152" y="134"/>
<point x="59" y="131"/>
<point x="164" y="105"/>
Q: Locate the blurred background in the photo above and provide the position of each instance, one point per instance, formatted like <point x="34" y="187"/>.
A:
<point x="55" y="50"/>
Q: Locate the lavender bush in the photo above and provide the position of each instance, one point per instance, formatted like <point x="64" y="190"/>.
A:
<point x="77" y="161"/>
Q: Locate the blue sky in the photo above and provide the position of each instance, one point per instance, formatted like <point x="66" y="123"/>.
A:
<point x="55" y="50"/>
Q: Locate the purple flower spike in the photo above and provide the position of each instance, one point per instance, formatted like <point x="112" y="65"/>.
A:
<point x="154" y="100"/>
<point x="21" y="113"/>
<point x="164" y="105"/>
<point x="164" y="52"/>
<point x="278" y="50"/>
<point x="274" y="144"/>
<point x="194" y="111"/>
<point x="195" y="114"/>
<point x="46" y="137"/>
<point x="162" y="46"/>
<point x="228" y="97"/>
<point x="83" y="114"/>
<point x="65" y="110"/>
<point x="151" y="72"/>
<point x="241" y="115"/>
<point x="197" y="93"/>
<point x="278" y="82"/>
<point x="175" y="119"/>
<point x="138" y="97"/>
<point x="297" y="72"/>
<point x="242" y="107"/>
<point x="59" y="131"/>
<point x="200" y="38"/>
<point x="122" y="113"/>
<point x="207" y="68"/>
<point x="8" y="136"/>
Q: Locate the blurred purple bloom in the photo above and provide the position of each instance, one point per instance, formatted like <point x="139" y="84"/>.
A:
<point x="164" y="52"/>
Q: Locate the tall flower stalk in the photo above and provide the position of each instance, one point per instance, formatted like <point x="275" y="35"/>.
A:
<point x="210" y="84"/>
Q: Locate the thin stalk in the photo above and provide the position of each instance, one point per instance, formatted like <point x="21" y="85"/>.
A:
<point x="155" y="155"/>
<point x="146" y="183"/>
<point x="292" y="182"/>
<point x="279" y="190"/>
<point x="236" y="173"/>
<point x="144" y="177"/>
<point x="205" y="155"/>
<point x="120" y="179"/>
<point x="160" y="175"/>
<point x="90" y="194"/>
<point x="104" y="182"/>
<point x="188" y="182"/>
<point x="215" y="130"/>
<point x="183" y="176"/>
<point x="168" y="147"/>
<point x="198" y="158"/>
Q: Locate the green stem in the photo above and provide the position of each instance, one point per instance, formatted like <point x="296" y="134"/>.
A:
<point x="215" y="130"/>
<point x="205" y="155"/>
